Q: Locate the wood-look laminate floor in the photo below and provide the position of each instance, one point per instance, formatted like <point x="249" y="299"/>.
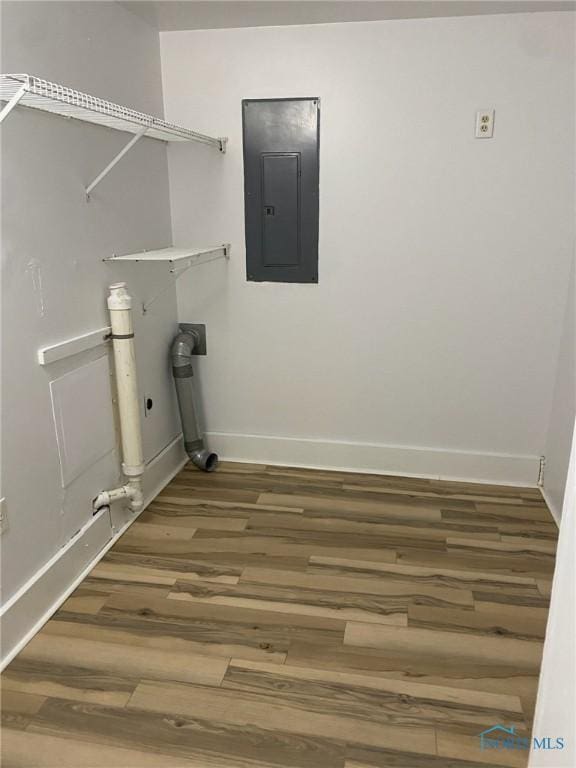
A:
<point x="266" y="617"/>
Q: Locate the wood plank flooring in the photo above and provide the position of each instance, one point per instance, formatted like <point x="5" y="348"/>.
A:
<point x="267" y="617"/>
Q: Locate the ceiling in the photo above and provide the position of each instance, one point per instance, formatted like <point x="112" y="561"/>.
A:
<point x="219" y="14"/>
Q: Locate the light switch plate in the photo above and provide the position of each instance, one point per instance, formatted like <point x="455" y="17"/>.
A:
<point x="485" y="124"/>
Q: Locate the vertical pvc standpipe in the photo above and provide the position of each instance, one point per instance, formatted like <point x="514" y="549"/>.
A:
<point x="120" y="307"/>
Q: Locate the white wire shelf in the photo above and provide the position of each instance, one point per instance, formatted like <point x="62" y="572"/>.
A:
<point x="179" y="259"/>
<point x="176" y="255"/>
<point x="29" y="91"/>
<point x="50" y="97"/>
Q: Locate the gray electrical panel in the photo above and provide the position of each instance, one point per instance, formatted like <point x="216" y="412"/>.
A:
<point x="281" y="178"/>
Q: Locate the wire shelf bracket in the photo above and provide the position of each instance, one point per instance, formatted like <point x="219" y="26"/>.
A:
<point x="13" y="101"/>
<point x="113" y="162"/>
<point x="29" y="91"/>
<point x="179" y="259"/>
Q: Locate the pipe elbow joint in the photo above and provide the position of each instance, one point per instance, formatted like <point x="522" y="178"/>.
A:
<point x="132" y="492"/>
<point x="182" y="348"/>
<point x="100" y="501"/>
<point x="204" y="459"/>
<point x="136" y="496"/>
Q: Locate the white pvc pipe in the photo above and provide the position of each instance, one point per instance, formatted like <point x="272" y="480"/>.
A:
<point x="120" y="307"/>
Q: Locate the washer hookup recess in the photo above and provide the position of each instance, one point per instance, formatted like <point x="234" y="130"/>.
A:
<point x="199" y="331"/>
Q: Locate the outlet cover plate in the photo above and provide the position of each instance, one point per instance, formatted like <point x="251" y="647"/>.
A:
<point x="484" y="124"/>
<point x="200" y="331"/>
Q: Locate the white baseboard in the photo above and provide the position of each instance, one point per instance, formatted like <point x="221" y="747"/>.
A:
<point x="36" y="601"/>
<point x="500" y="469"/>
<point x="27" y="610"/>
<point x="163" y="467"/>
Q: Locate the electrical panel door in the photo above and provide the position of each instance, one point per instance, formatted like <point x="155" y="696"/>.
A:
<point x="281" y="175"/>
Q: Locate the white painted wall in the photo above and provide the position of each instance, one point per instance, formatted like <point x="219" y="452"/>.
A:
<point x="556" y="704"/>
<point x="436" y="320"/>
<point x="563" y="409"/>
<point x="54" y="280"/>
<point x="443" y="259"/>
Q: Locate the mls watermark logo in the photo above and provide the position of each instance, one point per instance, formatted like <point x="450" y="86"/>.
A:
<point x="502" y="737"/>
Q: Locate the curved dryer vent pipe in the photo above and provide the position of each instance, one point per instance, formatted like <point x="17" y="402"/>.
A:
<point x="120" y="307"/>
<point x="181" y="354"/>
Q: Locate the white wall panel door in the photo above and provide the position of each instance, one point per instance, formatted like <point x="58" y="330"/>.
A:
<point x="83" y="417"/>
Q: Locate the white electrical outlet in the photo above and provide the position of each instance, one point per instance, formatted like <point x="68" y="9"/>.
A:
<point x="485" y="124"/>
<point x="3" y="517"/>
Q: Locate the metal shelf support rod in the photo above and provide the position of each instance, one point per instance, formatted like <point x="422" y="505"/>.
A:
<point x="177" y="271"/>
<point x="118" y="157"/>
<point x="13" y="102"/>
